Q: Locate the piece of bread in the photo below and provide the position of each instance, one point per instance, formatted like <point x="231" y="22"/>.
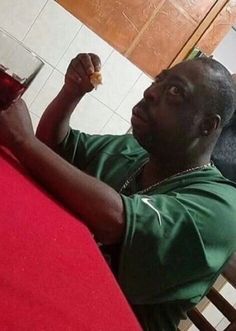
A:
<point x="96" y="79"/>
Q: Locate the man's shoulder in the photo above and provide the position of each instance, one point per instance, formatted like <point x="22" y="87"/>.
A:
<point x="115" y="144"/>
<point x="209" y="179"/>
<point x="201" y="191"/>
<point x="125" y="139"/>
<point x="214" y="182"/>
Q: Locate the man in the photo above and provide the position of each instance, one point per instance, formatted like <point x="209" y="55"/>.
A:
<point x="163" y="212"/>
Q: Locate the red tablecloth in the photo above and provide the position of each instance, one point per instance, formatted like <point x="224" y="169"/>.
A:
<point x="52" y="275"/>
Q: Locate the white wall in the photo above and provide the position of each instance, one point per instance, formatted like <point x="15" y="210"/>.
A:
<point x="226" y="51"/>
<point x="57" y="36"/>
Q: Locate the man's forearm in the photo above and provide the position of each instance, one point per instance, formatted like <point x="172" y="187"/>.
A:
<point x="54" y="123"/>
<point x="95" y="202"/>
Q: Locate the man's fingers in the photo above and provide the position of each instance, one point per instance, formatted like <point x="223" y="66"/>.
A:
<point x="20" y="103"/>
<point x="77" y="72"/>
<point x="87" y="63"/>
<point x="96" y="61"/>
<point x="81" y="71"/>
<point x="77" y="76"/>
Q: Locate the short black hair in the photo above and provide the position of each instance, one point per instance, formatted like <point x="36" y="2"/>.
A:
<point x="222" y="97"/>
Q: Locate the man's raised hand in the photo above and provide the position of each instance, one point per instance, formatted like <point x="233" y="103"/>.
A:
<point x="77" y="78"/>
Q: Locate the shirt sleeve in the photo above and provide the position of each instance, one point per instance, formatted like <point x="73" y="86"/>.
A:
<point x="73" y="149"/>
<point x="79" y="148"/>
<point x="163" y="255"/>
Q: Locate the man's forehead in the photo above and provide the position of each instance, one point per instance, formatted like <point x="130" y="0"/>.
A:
<point x="189" y="69"/>
<point x="192" y="72"/>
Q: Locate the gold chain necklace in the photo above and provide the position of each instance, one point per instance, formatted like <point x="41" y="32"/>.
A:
<point x="149" y="188"/>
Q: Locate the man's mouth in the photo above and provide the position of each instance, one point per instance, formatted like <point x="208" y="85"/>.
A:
<point x="139" y="113"/>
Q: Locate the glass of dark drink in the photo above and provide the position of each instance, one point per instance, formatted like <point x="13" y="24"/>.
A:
<point x="18" y="68"/>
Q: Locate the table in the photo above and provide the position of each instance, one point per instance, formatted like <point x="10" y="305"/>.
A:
<point x="52" y="275"/>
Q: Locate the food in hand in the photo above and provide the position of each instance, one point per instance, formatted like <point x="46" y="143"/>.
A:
<point x="96" y="79"/>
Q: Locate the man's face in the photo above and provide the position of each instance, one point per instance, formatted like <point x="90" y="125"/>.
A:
<point x="167" y="118"/>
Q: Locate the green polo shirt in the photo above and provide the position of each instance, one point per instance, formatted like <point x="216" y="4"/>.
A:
<point x="178" y="236"/>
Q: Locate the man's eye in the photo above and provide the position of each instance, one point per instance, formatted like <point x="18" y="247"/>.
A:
<point x="174" y="90"/>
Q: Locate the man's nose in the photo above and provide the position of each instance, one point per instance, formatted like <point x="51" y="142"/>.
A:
<point x="152" y="94"/>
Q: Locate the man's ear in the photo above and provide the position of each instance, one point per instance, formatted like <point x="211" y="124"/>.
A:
<point x="210" y="124"/>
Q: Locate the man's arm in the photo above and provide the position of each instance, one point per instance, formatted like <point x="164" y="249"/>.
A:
<point x="96" y="203"/>
<point x="54" y="123"/>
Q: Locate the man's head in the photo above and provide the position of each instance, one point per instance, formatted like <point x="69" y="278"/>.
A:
<point x="185" y="109"/>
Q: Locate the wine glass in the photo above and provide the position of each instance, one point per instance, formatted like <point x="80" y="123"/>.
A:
<point x="18" y="68"/>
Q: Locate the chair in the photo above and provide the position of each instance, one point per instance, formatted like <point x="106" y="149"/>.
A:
<point x="224" y="154"/>
<point x="219" y="301"/>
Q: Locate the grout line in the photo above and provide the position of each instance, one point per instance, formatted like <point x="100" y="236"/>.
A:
<point x="80" y="51"/>
<point x="76" y="34"/>
<point x="109" y="55"/>
<point x="184" y="12"/>
<point x="128" y="122"/>
<point x="112" y="52"/>
<point x="92" y="96"/>
<point x="30" y="28"/>
<point x="128" y="92"/>
<point x="27" y="33"/>
<point x="110" y="119"/>
<point x="129" y="131"/>
<point x="143" y="29"/>
<point x="223" y="320"/>
<point x="123" y="118"/>
<point x="99" y="132"/>
<point x="37" y="94"/>
<point x="31" y="112"/>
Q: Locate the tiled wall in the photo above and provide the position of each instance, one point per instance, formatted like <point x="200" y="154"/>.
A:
<point x="149" y="32"/>
<point x="219" y="28"/>
<point x="57" y="36"/>
<point x="226" y="50"/>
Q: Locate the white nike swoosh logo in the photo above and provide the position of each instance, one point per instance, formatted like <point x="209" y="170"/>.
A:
<point x="146" y="201"/>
